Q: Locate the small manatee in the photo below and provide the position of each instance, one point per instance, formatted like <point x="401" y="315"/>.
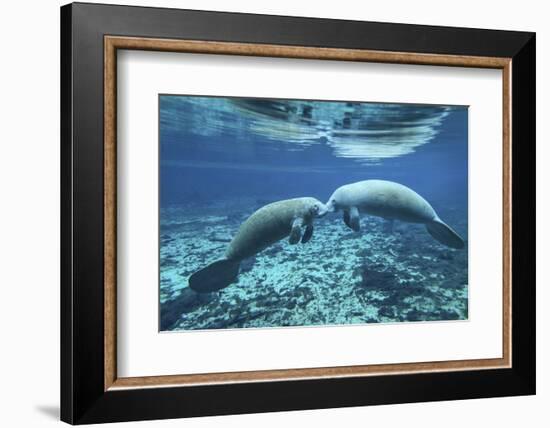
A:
<point x="263" y="228"/>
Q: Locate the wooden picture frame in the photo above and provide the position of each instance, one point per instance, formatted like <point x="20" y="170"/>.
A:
<point x="91" y="390"/>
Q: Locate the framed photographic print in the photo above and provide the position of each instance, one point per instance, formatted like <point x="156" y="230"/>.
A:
<point x="265" y="213"/>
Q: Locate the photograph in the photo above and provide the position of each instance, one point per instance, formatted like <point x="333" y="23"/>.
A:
<point x="297" y="212"/>
<point x="266" y="211"/>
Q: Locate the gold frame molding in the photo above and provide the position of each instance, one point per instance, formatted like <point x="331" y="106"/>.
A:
<point x="113" y="43"/>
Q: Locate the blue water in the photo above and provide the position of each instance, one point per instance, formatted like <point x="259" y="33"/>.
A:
<point x="223" y="158"/>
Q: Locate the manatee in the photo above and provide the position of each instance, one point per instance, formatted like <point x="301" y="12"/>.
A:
<point x="391" y="201"/>
<point x="263" y="228"/>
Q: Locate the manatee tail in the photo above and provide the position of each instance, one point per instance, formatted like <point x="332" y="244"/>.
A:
<point x="444" y="234"/>
<point x="215" y="276"/>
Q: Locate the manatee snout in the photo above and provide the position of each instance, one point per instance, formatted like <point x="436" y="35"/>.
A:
<point x="332" y="205"/>
<point x="319" y="210"/>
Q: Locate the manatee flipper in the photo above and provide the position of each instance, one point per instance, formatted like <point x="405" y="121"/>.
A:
<point x="444" y="234"/>
<point x="307" y="234"/>
<point x="354" y="219"/>
<point x="296" y="231"/>
<point x="215" y="276"/>
<point x="347" y="218"/>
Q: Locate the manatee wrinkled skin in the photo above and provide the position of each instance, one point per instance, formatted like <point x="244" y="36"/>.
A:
<point x="270" y="224"/>
<point x="263" y="228"/>
<point x="392" y="201"/>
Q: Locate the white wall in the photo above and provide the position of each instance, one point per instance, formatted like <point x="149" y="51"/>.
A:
<point x="29" y="242"/>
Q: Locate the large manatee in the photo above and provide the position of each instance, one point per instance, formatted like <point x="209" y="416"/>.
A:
<point x="391" y="201"/>
<point x="266" y="226"/>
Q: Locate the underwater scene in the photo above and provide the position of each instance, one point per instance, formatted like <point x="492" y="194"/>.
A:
<point x="286" y="212"/>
